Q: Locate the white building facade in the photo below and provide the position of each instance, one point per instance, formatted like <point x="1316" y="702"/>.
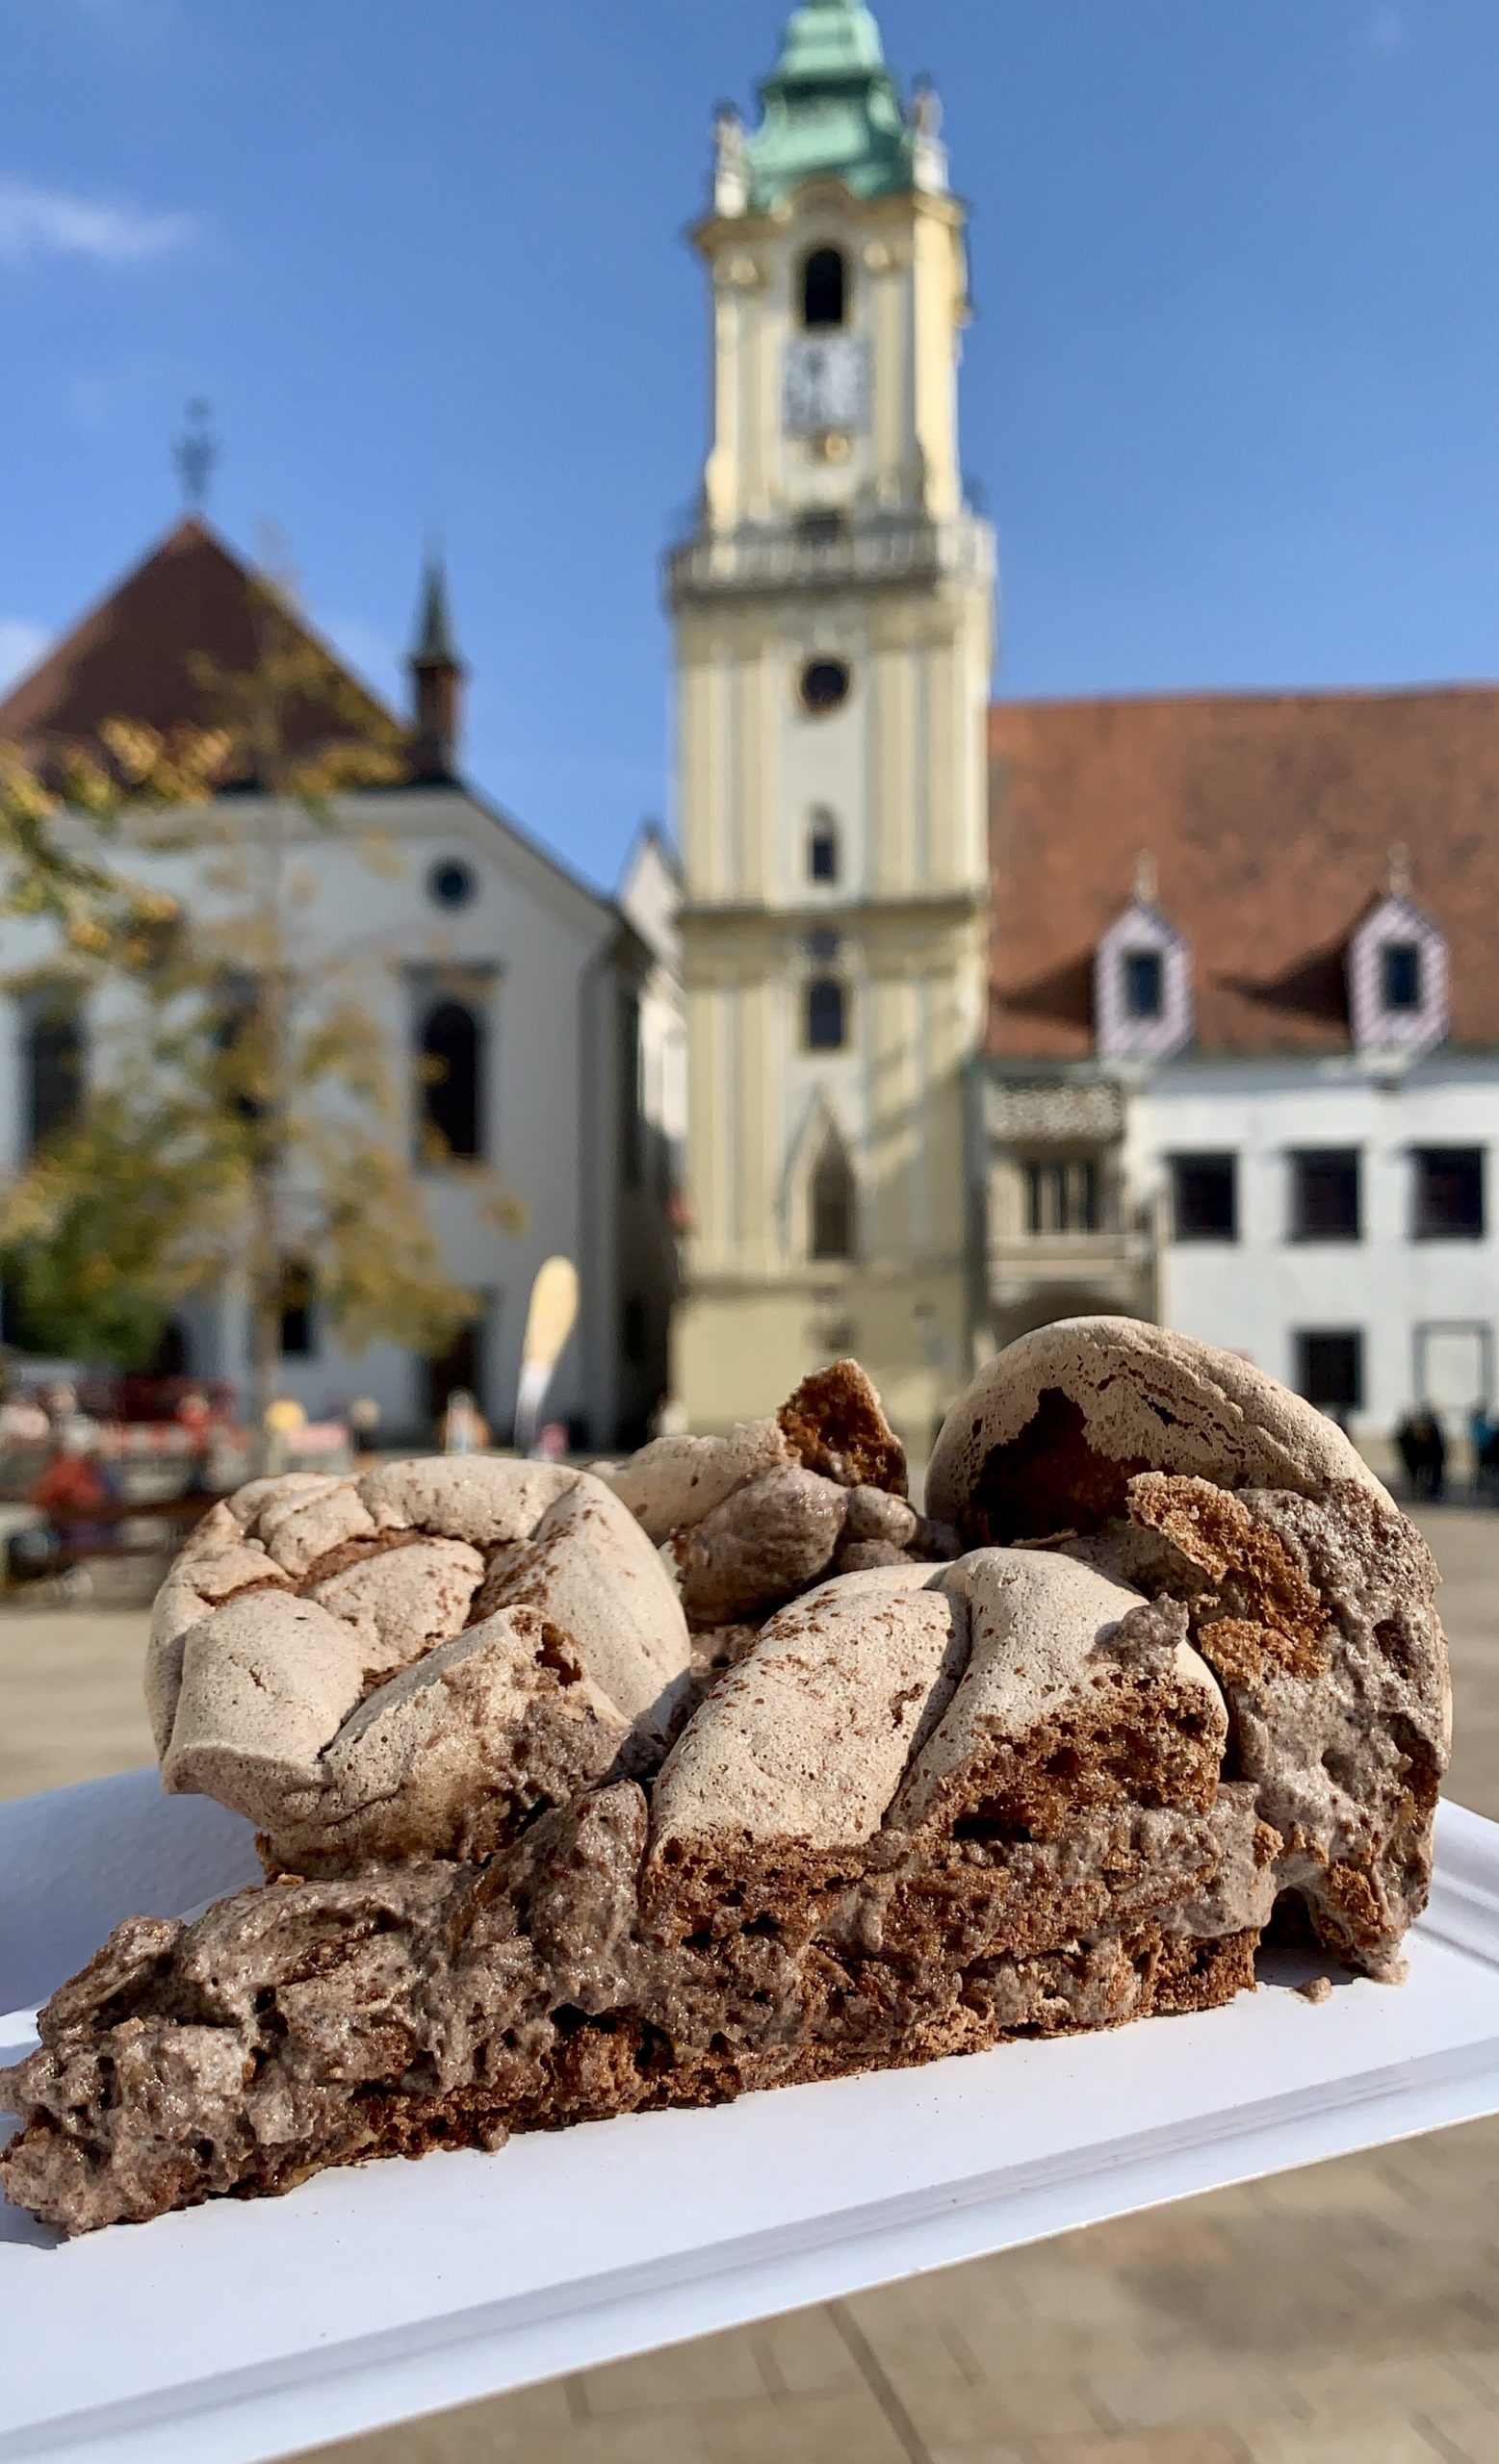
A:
<point x="516" y="1013"/>
<point x="1243" y="1066"/>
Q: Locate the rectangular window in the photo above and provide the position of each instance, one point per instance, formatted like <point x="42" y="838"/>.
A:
<point x="632" y="1142"/>
<point x="1399" y="975"/>
<point x="299" y="1319"/>
<point x="1205" y="1191"/>
<point x="52" y="1056"/>
<point x="633" y="1331"/>
<point x="1329" y="1369"/>
<point x="1448" y="1196"/>
<point x="1063" y="1195"/>
<point x="1144" y="983"/>
<point x="1325" y="1193"/>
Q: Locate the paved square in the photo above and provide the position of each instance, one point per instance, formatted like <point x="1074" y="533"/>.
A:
<point x="1345" y="2315"/>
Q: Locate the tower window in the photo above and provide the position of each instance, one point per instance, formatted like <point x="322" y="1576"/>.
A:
<point x="822" y="527"/>
<point x="1144" y="983"/>
<point x="824" y="290"/>
<point x="1399" y="975"/>
<point x="822" y="848"/>
<point x="832" y="1204"/>
<point x="452" y="883"/>
<point x="824" y="685"/>
<point x="822" y="944"/>
<point x="452" y="1071"/>
<point x="54" y="1071"/>
<point x="827" y="1018"/>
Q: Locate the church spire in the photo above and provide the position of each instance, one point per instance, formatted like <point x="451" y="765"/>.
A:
<point x="437" y="676"/>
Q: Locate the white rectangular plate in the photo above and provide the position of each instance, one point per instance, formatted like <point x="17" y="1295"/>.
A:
<point x="235" y="2331"/>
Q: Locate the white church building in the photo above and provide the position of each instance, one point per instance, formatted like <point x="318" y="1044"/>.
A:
<point x="531" y="1024"/>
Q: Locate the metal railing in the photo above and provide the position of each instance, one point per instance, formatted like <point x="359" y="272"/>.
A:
<point x="901" y="548"/>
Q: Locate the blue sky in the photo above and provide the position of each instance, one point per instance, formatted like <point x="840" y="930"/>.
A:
<point x="1233" y="395"/>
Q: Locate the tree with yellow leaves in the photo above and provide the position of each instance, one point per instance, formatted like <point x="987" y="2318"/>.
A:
<point x="243" y="1129"/>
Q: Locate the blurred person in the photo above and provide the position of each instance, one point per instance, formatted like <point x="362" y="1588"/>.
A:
<point x="464" y="1428"/>
<point x="1431" y="1454"/>
<point x="1408" y="1446"/>
<point x="1481" y="1430"/>
<point x="195" y="1414"/>
<point x="550" y="1445"/>
<point x="364" y="1426"/>
<point x="66" y="1421"/>
<point x="76" y="1494"/>
<point x="283" y="1419"/>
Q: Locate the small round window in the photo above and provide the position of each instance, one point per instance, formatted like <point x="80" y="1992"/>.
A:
<point x="824" y="686"/>
<point x="452" y="883"/>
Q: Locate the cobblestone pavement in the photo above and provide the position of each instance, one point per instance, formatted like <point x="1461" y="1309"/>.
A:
<point x="1348" y="2314"/>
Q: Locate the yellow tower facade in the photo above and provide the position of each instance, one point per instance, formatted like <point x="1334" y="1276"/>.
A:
<point x="834" y="630"/>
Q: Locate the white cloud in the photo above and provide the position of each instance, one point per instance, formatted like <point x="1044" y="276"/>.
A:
<point x="1388" y="30"/>
<point x="51" y="223"/>
<point x="21" y="645"/>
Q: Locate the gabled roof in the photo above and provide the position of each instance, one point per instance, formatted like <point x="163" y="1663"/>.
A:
<point x="137" y="652"/>
<point x="1269" y="819"/>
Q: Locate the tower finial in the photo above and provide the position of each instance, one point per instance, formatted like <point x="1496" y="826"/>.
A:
<point x="1400" y="870"/>
<point x="433" y="644"/>
<point x="436" y="677"/>
<point x="1147" y="882"/>
<point x="195" y="454"/>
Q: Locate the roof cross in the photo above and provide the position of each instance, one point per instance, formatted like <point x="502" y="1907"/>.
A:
<point x="195" y="454"/>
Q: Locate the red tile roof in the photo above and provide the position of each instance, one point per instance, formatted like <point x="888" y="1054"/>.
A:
<point x="1270" y="820"/>
<point x="134" y="655"/>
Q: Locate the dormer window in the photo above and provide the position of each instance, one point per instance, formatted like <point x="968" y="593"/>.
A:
<point x="1399" y="975"/>
<point x="1397" y="980"/>
<point x="1144" y="983"/>
<point x="1142" y="987"/>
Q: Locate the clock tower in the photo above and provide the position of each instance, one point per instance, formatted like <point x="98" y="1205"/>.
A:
<point x="833" y="628"/>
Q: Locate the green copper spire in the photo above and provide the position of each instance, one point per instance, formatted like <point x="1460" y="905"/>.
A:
<point x="832" y="109"/>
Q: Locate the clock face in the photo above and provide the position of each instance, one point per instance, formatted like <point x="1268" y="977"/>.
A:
<point x="827" y="384"/>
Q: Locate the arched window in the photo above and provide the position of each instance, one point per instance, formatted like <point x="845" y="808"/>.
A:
<point x="822" y="846"/>
<point x="451" y="1073"/>
<point x="824" y="289"/>
<point x="827" y="1014"/>
<point x="830" y="1207"/>
<point x="53" y="1062"/>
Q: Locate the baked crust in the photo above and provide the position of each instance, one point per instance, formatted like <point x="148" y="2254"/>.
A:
<point x="907" y="1809"/>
